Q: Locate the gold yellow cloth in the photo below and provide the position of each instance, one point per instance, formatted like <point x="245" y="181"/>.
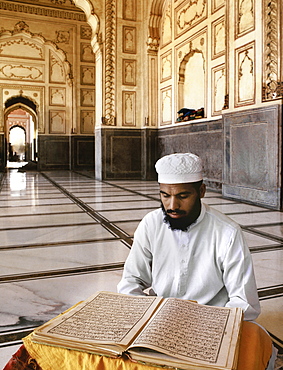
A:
<point x="254" y="353"/>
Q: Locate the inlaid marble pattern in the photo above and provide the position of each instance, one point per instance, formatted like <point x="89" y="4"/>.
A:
<point x="65" y="235"/>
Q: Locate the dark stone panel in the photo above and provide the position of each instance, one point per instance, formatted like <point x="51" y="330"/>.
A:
<point x="204" y="139"/>
<point x="3" y="152"/>
<point x="82" y="152"/>
<point x="125" y="153"/>
<point x="252" y="166"/>
<point x="149" y="154"/>
<point x="123" y="157"/>
<point x="118" y="153"/>
<point x="53" y="152"/>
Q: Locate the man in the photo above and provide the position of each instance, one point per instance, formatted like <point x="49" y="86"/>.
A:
<point x="188" y="250"/>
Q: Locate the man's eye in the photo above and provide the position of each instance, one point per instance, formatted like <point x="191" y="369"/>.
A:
<point x="165" y="195"/>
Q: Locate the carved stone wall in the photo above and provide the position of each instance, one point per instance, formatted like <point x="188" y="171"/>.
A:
<point x="204" y="139"/>
<point x="154" y="58"/>
<point x="46" y="57"/>
<point x="192" y="59"/>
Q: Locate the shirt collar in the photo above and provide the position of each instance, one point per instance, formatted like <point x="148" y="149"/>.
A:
<point x="200" y="217"/>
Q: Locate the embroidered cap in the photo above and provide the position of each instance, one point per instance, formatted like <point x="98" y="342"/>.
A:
<point x="179" y="168"/>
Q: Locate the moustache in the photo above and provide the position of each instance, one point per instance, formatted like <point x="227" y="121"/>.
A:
<point x="177" y="211"/>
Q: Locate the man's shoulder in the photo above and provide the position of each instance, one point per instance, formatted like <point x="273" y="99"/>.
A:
<point x="220" y="217"/>
<point x="151" y="221"/>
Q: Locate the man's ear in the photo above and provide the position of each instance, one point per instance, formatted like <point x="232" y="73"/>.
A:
<point x="202" y="190"/>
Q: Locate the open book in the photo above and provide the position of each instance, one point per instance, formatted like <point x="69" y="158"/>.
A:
<point x="169" y="332"/>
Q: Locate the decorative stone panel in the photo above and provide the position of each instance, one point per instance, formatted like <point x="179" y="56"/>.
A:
<point x="57" y="122"/>
<point x="245" y="75"/>
<point x="252" y="163"/>
<point x="188" y="14"/>
<point x="129" y="108"/>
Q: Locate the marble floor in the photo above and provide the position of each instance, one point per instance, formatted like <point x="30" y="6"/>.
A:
<point x="66" y="235"/>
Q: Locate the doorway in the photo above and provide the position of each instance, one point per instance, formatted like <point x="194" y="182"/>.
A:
<point x="17" y="144"/>
<point x="20" y="133"/>
<point x="20" y="138"/>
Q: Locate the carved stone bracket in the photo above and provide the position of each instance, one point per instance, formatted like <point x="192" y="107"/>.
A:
<point x="152" y="44"/>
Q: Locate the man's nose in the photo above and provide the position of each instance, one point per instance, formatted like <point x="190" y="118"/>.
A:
<point x="174" y="203"/>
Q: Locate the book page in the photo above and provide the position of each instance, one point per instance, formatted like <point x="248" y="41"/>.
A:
<point x="103" y="318"/>
<point x="185" y="330"/>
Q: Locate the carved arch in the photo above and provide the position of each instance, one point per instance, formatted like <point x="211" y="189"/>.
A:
<point x="28" y="105"/>
<point x="182" y="72"/>
<point x="184" y="62"/>
<point x="154" y="23"/>
<point x="91" y="18"/>
<point x="22" y="106"/>
<point x="22" y="34"/>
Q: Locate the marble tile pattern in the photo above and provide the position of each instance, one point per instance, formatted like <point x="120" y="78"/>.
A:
<point x="65" y="235"/>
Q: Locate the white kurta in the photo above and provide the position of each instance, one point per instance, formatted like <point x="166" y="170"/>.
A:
<point x="210" y="263"/>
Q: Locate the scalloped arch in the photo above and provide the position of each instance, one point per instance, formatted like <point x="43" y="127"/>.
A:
<point x="39" y="39"/>
<point x="156" y="13"/>
<point x="91" y="17"/>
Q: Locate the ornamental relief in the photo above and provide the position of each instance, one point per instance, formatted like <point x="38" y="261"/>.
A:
<point x="62" y="37"/>
<point x="190" y="14"/>
<point x="56" y="70"/>
<point x="218" y="38"/>
<point x="129" y="10"/>
<point x="86" y="32"/>
<point x="245" y="75"/>
<point x="217" y="4"/>
<point x="129" y="40"/>
<point x="166" y="106"/>
<point x="47" y="12"/>
<point x="57" y="122"/>
<point x="272" y="88"/>
<point x="129" y="108"/>
<point x="110" y="63"/>
<point x="218" y="89"/>
<point x="245" y="16"/>
<point x="57" y="96"/>
<point x="87" y="98"/>
<point x="166" y="66"/>
<point x="22" y="48"/>
<point x="129" y="72"/>
<point x="87" y="122"/>
<point x="21" y="72"/>
<point x="87" y="75"/>
<point x="166" y="29"/>
<point x="87" y="54"/>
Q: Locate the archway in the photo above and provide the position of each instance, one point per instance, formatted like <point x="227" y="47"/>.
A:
<point x="17" y="143"/>
<point x="20" y="131"/>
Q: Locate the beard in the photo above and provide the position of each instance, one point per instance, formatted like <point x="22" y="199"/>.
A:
<point x="181" y="223"/>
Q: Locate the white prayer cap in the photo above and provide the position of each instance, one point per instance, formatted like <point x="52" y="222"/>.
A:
<point x="179" y="168"/>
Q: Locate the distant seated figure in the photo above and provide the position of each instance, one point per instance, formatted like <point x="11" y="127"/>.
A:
<point x="185" y="114"/>
<point x="188" y="250"/>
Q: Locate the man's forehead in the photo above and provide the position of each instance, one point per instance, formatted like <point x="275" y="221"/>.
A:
<point x="176" y="188"/>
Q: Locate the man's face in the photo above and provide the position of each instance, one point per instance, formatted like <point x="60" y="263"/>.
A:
<point x="181" y="204"/>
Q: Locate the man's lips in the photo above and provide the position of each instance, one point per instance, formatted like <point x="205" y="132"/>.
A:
<point x="176" y="214"/>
